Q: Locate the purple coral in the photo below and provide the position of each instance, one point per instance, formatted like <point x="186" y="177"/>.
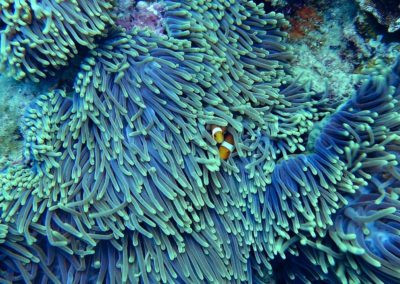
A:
<point x="143" y="14"/>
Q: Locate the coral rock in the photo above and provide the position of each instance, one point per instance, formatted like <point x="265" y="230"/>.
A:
<point x="387" y="12"/>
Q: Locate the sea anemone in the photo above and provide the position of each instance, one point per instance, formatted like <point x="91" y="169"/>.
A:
<point x="38" y="37"/>
<point x="125" y="169"/>
<point x="123" y="180"/>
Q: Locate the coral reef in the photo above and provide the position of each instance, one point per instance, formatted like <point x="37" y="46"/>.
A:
<point x="387" y="12"/>
<point x="10" y="115"/>
<point x="142" y="14"/>
<point x="305" y="20"/>
<point x="14" y="98"/>
<point x="322" y="56"/>
<point x="337" y="48"/>
<point x="380" y="56"/>
<point x="123" y="178"/>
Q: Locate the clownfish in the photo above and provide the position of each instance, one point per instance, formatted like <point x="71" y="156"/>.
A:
<point x="217" y="133"/>
<point x="226" y="147"/>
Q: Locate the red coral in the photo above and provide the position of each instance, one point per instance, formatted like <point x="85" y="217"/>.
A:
<point x="304" y="20"/>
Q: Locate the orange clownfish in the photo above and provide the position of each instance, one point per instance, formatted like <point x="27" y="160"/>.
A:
<point x="227" y="147"/>
<point x="217" y="133"/>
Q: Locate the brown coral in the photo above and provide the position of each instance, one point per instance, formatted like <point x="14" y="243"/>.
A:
<point x="387" y="12"/>
<point x="304" y="20"/>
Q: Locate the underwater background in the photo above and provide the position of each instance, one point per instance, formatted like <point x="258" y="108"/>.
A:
<point x="202" y="141"/>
